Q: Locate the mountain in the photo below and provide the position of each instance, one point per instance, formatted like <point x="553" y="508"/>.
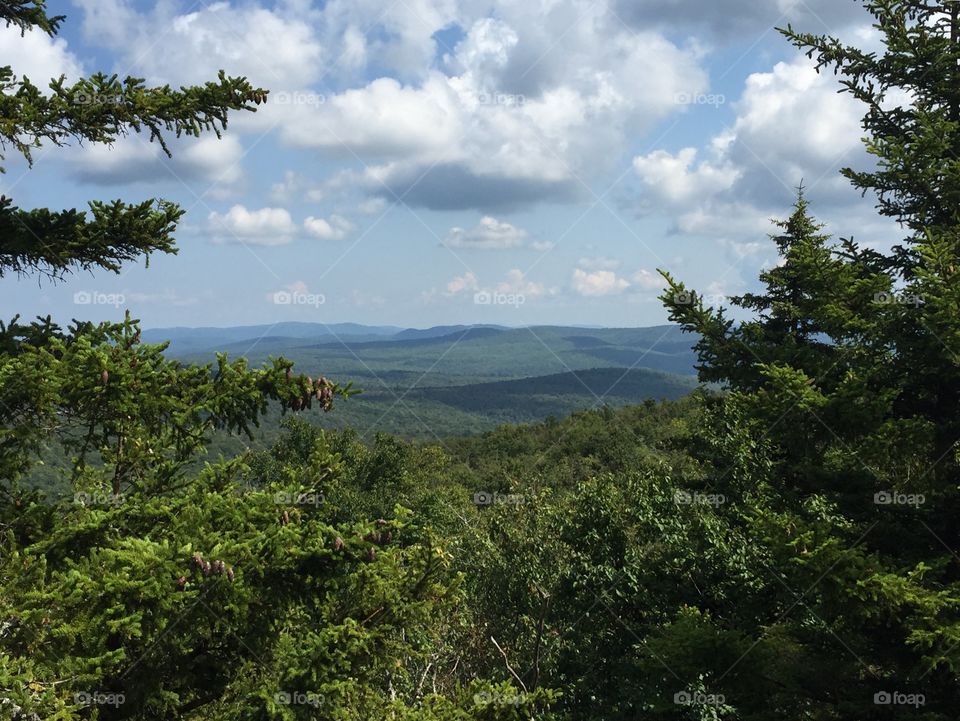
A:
<point x="440" y="331"/>
<point x="446" y="355"/>
<point x="193" y="340"/>
<point x="461" y="379"/>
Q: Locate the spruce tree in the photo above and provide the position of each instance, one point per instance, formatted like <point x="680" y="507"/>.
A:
<point x="168" y="584"/>
<point x="846" y="374"/>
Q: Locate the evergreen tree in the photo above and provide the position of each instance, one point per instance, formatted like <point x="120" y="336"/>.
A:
<point x="167" y="586"/>
<point x="847" y="374"/>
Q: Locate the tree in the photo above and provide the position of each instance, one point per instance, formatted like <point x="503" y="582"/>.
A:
<point x="847" y="373"/>
<point x="168" y="585"/>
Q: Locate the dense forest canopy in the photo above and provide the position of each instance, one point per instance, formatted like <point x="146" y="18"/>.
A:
<point x="782" y="549"/>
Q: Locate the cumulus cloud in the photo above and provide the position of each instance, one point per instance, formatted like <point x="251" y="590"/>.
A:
<point x="295" y="186"/>
<point x="265" y="226"/>
<point x="514" y="284"/>
<point x="462" y="283"/>
<point x="679" y="181"/>
<point x="132" y="159"/>
<point x="646" y="280"/>
<point x="598" y="276"/>
<point x="749" y="173"/>
<point x="38" y="56"/>
<point x="336" y="228"/>
<point x="489" y="234"/>
<point x="505" y="118"/>
<point x="265" y="45"/>
<point x="510" y="119"/>
<point x="598" y="283"/>
<point x="517" y="283"/>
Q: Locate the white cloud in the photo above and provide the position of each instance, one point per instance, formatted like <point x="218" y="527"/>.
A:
<point x="217" y="162"/>
<point x="490" y="234"/>
<point x="287" y="188"/>
<point x="266" y="226"/>
<point x="462" y="283"/>
<point x="679" y="183"/>
<point x="648" y="281"/>
<point x="381" y="120"/>
<point x="515" y="120"/>
<point x="507" y="118"/>
<point x="296" y="186"/>
<point x="598" y="283"/>
<point x="271" y="49"/>
<point x="336" y="228"/>
<point x="515" y="283"/>
<point x="791" y="126"/>
<point x="38" y="56"/>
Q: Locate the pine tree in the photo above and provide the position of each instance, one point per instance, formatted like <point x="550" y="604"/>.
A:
<point x="847" y="375"/>
<point x="168" y="585"/>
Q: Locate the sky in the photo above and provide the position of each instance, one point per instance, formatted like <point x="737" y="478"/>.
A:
<point x="428" y="162"/>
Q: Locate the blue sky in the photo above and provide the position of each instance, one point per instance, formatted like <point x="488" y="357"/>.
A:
<point x="426" y="162"/>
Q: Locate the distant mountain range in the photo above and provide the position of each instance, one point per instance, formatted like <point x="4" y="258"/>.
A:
<point x="461" y="378"/>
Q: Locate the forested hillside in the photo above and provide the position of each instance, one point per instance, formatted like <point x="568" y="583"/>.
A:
<point x="779" y="544"/>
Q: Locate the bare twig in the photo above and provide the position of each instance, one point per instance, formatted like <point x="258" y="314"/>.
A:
<point x="509" y="667"/>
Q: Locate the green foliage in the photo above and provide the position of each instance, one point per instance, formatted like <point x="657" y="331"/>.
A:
<point x="98" y="109"/>
<point x="158" y="589"/>
<point x="779" y="551"/>
<point x="848" y="375"/>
